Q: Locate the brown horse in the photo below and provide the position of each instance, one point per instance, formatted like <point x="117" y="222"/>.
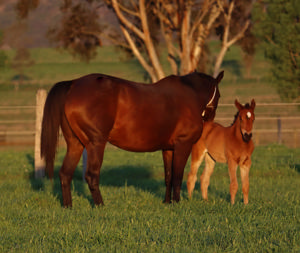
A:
<point x="232" y="145"/>
<point x="96" y="109"/>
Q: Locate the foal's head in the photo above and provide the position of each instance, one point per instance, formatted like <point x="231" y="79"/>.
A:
<point x="246" y="118"/>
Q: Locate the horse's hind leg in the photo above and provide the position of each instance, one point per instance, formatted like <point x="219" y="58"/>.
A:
<point x="198" y="153"/>
<point x="74" y="151"/>
<point x="205" y="177"/>
<point x="168" y="163"/>
<point x="94" y="157"/>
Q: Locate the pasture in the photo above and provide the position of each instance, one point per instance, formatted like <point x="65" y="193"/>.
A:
<point x="134" y="219"/>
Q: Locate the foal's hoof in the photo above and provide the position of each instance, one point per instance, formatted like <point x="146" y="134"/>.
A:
<point x="67" y="206"/>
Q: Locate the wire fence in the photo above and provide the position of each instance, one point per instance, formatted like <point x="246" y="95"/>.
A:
<point x="274" y="123"/>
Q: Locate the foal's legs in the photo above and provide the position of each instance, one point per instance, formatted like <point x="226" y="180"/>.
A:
<point x="198" y="153"/>
<point x="74" y="151"/>
<point x="245" y="168"/>
<point x="95" y="157"/>
<point x="168" y="161"/>
<point x="232" y="167"/>
<point x="205" y="177"/>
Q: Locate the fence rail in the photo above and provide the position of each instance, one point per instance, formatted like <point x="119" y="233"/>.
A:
<point x="274" y="122"/>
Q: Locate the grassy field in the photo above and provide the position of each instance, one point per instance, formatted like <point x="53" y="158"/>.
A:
<point x="52" y="66"/>
<point x="134" y="219"/>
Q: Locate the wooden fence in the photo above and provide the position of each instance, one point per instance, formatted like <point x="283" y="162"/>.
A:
<point x="274" y="123"/>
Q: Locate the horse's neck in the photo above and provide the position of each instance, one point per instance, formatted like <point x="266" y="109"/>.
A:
<point x="236" y="128"/>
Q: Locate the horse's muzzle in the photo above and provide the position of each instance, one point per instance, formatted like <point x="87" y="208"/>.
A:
<point x="247" y="137"/>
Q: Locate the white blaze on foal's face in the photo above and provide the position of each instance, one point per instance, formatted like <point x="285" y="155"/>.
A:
<point x="249" y="115"/>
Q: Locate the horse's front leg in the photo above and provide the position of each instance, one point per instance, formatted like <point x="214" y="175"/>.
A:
<point x="245" y="168"/>
<point x="94" y="158"/>
<point x="168" y="163"/>
<point x="232" y="167"/>
<point x="181" y="154"/>
<point x="207" y="172"/>
<point x="198" y="153"/>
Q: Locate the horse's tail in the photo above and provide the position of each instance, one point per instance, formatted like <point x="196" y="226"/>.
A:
<point x="52" y="118"/>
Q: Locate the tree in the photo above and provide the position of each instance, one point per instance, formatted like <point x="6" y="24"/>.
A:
<point x="184" y="26"/>
<point x="233" y="27"/>
<point x="278" y="27"/>
<point x="78" y="32"/>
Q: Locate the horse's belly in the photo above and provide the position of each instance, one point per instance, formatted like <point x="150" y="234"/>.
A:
<point x="138" y="141"/>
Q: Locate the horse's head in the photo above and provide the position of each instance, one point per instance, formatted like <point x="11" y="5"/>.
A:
<point x="214" y="96"/>
<point x="207" y="89"/>
<point x="246" y="118"/>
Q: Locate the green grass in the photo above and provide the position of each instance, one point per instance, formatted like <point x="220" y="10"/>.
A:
<point x="134" y="219"/>
<point x="52" y="66"/>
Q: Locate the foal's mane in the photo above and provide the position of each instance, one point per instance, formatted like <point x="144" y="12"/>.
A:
<point x="246" y="106"/>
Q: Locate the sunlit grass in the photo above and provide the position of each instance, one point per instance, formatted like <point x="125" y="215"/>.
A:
<point x="134" y="219"/>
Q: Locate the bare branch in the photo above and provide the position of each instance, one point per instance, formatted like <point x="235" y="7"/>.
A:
<point x="148" y="42"/>
<point x="239" y="35"/>
<point x="138" y="55"/>
<point x="226" y="43"/>
<point x="186" y="40"/>
<point x="125" y="21"/>
<point x="130" y="12"/>
<point x="201" y="14"/>
<point x="163" y="18"/>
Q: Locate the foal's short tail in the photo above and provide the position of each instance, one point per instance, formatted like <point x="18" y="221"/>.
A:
<point x="53" y="115"/>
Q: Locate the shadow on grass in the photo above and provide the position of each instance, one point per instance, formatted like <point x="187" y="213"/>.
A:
<point x="213" y="192"/>
<point x="140" y="177"/>
<point x="137" y="176"/>
<point x="37" y="184"/>
<point x="296" y="167"/>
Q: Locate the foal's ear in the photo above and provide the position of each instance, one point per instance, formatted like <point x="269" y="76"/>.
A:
<point x="253" y="104"/>
<point x="220" y="76"/>
<point x="238" y="105"/>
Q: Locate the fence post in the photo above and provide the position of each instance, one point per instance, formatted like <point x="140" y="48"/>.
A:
<point x="39" y="163"/>
<point x="279" y="130"/>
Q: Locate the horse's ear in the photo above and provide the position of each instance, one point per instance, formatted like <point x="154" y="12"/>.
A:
<point x="220" y="76"/>
<point x="238" y="105"/>
<point x="253" y="104"/>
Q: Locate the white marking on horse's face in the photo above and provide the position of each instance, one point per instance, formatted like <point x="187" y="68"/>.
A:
<point x="249" y="115"/>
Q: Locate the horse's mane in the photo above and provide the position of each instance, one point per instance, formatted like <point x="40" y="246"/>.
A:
<point x="246" y="106"/>
<point x="195" y="77"/>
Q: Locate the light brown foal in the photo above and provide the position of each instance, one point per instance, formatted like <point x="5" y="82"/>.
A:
<point x="232" y="145"/>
